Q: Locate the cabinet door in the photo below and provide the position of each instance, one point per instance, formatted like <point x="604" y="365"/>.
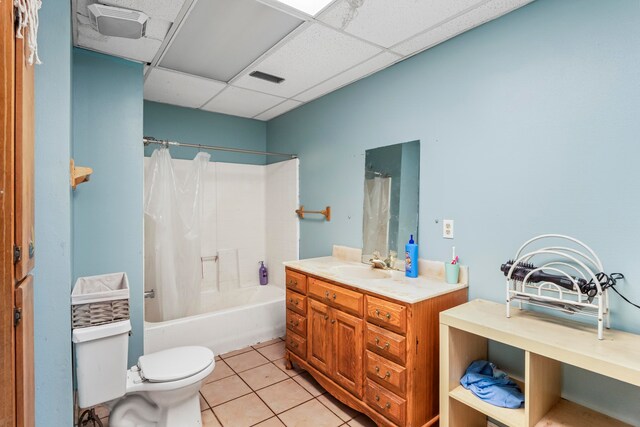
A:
<point x="348" y="343"/>
<point x="24" y="135"/>
<point x="25" y="392"/>
<point x="319" y="337"/>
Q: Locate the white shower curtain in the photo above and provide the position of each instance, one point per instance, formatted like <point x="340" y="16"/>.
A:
<point x="173" y="212"/>
<point x="377" y="192"/>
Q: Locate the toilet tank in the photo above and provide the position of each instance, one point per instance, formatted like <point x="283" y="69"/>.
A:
<point x="101" y="362"/>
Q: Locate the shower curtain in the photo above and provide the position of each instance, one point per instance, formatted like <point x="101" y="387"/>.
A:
<point x="377" y="192"/>
<point x="173" y="213"/>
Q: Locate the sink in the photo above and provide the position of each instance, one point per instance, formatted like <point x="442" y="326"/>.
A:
<point x="361" y="272"/>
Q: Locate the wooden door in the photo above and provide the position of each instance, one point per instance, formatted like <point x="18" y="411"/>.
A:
<point x="7" y="120"/>
<point x="24" y="137"/>
<point x="348" y="345"/>
<point x="319" y="337"/>
<point x="25" y="393"/>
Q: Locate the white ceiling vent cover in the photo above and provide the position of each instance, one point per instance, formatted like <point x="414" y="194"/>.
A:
<point x="117" y="22"/>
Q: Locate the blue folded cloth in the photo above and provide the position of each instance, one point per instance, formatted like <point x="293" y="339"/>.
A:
<point x="492" y="385"/>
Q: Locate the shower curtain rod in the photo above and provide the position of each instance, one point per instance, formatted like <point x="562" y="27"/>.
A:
<point x="151" y="140"/>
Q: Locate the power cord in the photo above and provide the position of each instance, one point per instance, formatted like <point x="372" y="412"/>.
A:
<point x="609" y="281"/>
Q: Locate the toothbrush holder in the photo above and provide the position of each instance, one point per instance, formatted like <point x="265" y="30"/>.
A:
<point x="451" y="273"/>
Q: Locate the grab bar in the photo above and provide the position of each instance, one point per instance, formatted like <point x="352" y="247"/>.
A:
<point x="150" y="294"/>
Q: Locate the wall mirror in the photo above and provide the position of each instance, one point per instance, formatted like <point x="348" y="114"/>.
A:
<point x="391" y="199"/>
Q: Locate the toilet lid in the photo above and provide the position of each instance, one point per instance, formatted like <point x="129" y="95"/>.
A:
<point x="174" y="364"/>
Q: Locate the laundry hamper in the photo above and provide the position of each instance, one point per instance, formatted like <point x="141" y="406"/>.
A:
<point x="97" y="300"/>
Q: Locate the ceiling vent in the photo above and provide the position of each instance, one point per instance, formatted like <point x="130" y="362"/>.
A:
<point x="117" y="22"/>
<point x="268" y="77"/>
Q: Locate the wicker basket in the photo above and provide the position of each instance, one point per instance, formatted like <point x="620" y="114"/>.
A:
<point x="97" y="300"/>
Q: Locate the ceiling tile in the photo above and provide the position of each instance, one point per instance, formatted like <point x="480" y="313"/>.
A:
<point x="359" y="71"/>
<point x="180" y="89"/>
<point x="241" y="102"/>
<point x="218" y="39"/>
<point x="387" y="23"/>
<point x="469" y="20"/>
<point x="310" y="57"/>
<point x="287" y="105"/>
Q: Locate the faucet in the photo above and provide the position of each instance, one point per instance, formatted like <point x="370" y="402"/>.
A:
<point x="386" y="264"/>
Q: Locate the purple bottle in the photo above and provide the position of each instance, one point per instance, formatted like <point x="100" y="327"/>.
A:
<point x="264" y="275"/>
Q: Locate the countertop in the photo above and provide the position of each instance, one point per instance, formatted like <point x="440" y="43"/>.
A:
<point x="398" y="287"/>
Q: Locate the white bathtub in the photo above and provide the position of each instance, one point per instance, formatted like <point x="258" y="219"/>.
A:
<point x="231" y="320"/>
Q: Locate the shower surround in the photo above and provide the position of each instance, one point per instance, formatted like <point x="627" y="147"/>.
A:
<point x="247" y="216"/>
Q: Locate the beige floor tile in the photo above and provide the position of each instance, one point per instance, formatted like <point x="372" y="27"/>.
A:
<point x="236" y="352"/>
<point x="243" y="412"/>
<point x="221" y="370"/>
<point x="291" y="372"/>
<point x="209" y="420"/>
<point x="310" y="414"/>
<point x="340" y="409"/>
<point x="245" y="361"/>
<point x="273" y="351"/>
<point x="266" y="343"/>
<point x="263" y="376"/>
<point x="284" y="395"/>
<point x="271" y="422"/>
<point x="308" y="383"/>
<point x="203" y="403"/>
<point x="362" y="421"/>
<point x="224" y="390"/>
<point x="217" y="358"/>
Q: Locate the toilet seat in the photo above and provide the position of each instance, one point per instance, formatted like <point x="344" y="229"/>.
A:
<point x="174" y="364"/>
<point x="185" y="365"/>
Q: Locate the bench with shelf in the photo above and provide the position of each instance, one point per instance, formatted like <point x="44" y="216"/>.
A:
<point x="548" y="342"/>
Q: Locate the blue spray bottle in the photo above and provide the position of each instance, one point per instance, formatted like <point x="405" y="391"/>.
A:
<point x="264" y="275"/>
<point x="411" y="258"/>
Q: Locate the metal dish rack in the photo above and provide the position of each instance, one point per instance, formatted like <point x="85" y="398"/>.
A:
<point x="565" y="261"/>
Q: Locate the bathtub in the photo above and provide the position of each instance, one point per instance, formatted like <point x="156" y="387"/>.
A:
<point x="229" y="321"/>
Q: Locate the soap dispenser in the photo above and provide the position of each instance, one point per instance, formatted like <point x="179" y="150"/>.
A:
<point x="411" y="258"/>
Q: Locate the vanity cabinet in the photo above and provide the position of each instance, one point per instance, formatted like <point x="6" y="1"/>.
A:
<point x="376" y="354"/>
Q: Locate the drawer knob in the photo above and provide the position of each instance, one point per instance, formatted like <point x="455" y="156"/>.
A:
<point x="294" y="322"/>
<point x="387" y="375"/>
<point x="293" y="283"/>
<point x="334" y="296"/>
<point x="388" y="315"/>
<point x="333" y="321"/>
<point x="293" y="344"/>
<point x="386" y="344"/>
<point x="326" y="294"/>
<point x="326" y="317"/>
<point x="388" y="405"/>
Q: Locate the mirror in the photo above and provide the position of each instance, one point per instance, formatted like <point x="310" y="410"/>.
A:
<point x="391" y="199"/>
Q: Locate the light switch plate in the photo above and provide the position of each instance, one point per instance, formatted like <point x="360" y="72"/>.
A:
<point x="447" y="228"/>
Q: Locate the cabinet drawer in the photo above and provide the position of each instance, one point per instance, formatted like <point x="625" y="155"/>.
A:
<point x="387" y="344"/>
<point x="387" y="314"/>
<point x="296" y="282"/>
<point x="386" y="373"/>
<point x="297" y="344"/>
<point x="296" y="302"/>
<point x="385" y="402"/>
<point x="297" y="323"/>
<point x="344" y="299"/>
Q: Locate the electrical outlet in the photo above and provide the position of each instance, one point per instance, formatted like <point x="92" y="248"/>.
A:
<point x="447" y="228"/>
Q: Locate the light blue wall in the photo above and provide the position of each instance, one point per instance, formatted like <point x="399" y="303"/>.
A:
<point x="163" y="121"/>
<point x="528" y="125"/>
<point x="107" y="211"/>
<point x="54" y="390"/>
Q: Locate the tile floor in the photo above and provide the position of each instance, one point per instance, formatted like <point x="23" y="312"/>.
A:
<point x="251" y="387"/>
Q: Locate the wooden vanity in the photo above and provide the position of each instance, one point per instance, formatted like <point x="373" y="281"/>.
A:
<point x="375" y="353"/>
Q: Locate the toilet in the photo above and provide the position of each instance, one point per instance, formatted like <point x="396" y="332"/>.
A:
<point x="161" y="390"/>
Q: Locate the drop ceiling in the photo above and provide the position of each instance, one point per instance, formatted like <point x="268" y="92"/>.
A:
<point x="200" y="53"/>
